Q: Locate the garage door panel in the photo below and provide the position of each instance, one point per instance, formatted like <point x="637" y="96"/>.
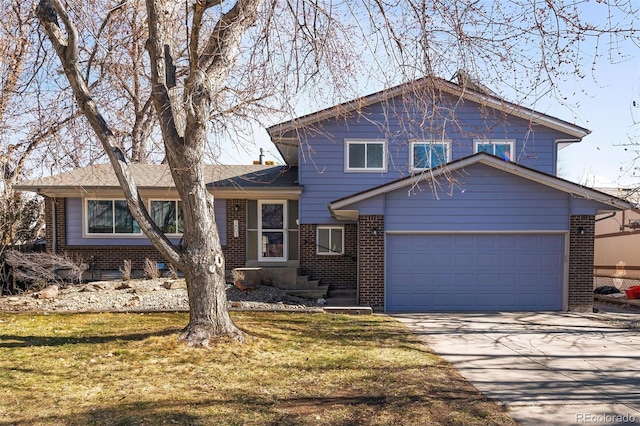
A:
<point x="549" y="260"/>
<point x="442" y="259"/>
<point x="397" y="260"/>
<point x="475" y="272"/>
<point x="462" y="259"/>
<point x="485" y="282"/>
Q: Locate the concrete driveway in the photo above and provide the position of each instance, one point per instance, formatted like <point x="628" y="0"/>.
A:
<point x="547" y="368"/>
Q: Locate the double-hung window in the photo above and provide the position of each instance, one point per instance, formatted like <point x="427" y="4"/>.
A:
<point x="167" y="214"/>
<point x="365" y="155"/>
<point x="502" y="149"/>
<point x="330" y="240"/>
<point x="110" y="217"/>
<point x="427" y="155"/>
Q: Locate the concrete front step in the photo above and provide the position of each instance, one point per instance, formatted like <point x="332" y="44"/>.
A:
<point x="320" y="291"/>
<point x="342" y="301"/>
<point x="343" y="292"/>
<point x="349" y="310"/>
<point x="305" y="284"/>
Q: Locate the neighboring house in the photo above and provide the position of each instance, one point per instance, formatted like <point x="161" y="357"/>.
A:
<point x="617" y="243"/>
<point x="426" y="196"/>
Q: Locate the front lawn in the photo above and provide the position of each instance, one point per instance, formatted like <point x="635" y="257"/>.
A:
<point x="296" y="369"/>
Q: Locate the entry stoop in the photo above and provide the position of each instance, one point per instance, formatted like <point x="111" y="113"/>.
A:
<point x="342" y="297"/>
<point x="345" y="301"/>
<point x="287" y="279"/>
<point x="308" y="288"/>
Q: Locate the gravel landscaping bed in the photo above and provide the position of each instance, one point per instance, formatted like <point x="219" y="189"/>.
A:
<point x="144" y="295"/>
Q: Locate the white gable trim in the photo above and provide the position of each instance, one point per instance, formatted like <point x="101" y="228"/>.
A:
<point x="491" y="161"/>
<point x="439" y="84"/>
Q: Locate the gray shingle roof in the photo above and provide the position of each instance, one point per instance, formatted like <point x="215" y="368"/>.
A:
<point x="159" y="176"/>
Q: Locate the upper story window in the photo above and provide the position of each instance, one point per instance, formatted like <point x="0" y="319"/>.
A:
<point x="167" y="214"/>
<point x="426" y="155"/>
<point x="365" y="155"/>
<point x="502" y="149"/>
<point x="110" y="217"/>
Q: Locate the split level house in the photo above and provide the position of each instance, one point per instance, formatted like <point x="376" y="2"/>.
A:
<point x="428" y="196"/>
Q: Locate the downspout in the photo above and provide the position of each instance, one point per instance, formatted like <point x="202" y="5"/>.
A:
<point x="54" y="236"/>
<point x="358" y="261"/>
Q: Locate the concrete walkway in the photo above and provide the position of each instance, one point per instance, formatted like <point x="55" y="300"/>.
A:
<point x="547" y="368"/>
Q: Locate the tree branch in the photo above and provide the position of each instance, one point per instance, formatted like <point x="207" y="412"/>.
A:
<point x="67" y="52"/>
<point x="99" y="34"/>
<point x="156" y="47"/>
<point x="223" y="43"/>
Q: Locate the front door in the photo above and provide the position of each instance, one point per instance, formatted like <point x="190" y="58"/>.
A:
<point x="272" y="232"/>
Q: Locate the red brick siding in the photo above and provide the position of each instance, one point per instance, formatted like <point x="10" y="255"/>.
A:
<point x="48" y="214"/>
<point x="371" y="285"/>
<point x="581" y="263"/>
<point x="60" y="222"/>
<point x="235" y="251"/>
<point x="112" y="257"/>
<point x="337" y="271"/>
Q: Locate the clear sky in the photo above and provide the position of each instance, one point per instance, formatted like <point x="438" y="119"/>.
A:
<point x="606" y="107"/>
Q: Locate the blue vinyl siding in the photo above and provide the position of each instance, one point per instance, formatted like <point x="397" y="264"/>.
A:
<point x="321" y="156"/>
<point x="485" y="200"/>
<point x="74" y="225"/>
<point x="492" y="200"/>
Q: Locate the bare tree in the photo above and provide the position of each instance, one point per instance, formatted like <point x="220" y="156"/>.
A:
<point x="201" y="255"/>
<point x="215" y="66"/>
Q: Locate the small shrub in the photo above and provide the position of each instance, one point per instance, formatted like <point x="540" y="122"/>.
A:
<point x="173" y="272"/>
<point x="125" y="270"/>
<point x="36" y="270"/>
<point x="237" y="275"/>
<point x="151" y="269"/>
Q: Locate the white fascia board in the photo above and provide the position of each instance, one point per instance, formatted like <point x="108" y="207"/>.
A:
<point x="258" y="194"/>
<point x="526" y="113"/>
<point x="94" y="192"/>
<point x="348" y="215"/>
<point x="410" y="181"/>
<point x="488" y="160"/>
<point x="452" y="88"/>
<point x="559" y="184"/>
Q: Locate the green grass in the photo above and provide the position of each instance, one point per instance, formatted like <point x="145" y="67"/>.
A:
<point x="295" y="369"/>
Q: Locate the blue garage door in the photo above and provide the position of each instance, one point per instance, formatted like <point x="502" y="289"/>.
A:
<point x="474" y="272"/>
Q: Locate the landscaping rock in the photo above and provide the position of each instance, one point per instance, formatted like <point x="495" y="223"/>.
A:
<point x="49" y="292"/>
<point x="125" y="285"/>
<point x="150" y="295"/>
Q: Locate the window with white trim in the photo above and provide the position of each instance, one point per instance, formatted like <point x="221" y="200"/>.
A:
<point x="361" y="155"/>
<point x="167" y="214"/>
<point x="330" y="240"/>
<point x="110" y="217"/>
<point x="427" y="155"/>
<point x="502" y="149"/>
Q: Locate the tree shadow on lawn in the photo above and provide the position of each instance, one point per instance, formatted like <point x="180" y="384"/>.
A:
<point x="14" y="341"/>
<point x="338" y="331"/>
<point x="346" y="408"/>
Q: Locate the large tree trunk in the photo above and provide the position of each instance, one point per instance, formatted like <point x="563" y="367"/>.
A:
<point x="201" y="255"/>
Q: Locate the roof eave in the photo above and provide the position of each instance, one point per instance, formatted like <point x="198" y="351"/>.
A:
<point x="101" y="191"/>
<point x="562" y="126"/>
<point x="482" y="158"/>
